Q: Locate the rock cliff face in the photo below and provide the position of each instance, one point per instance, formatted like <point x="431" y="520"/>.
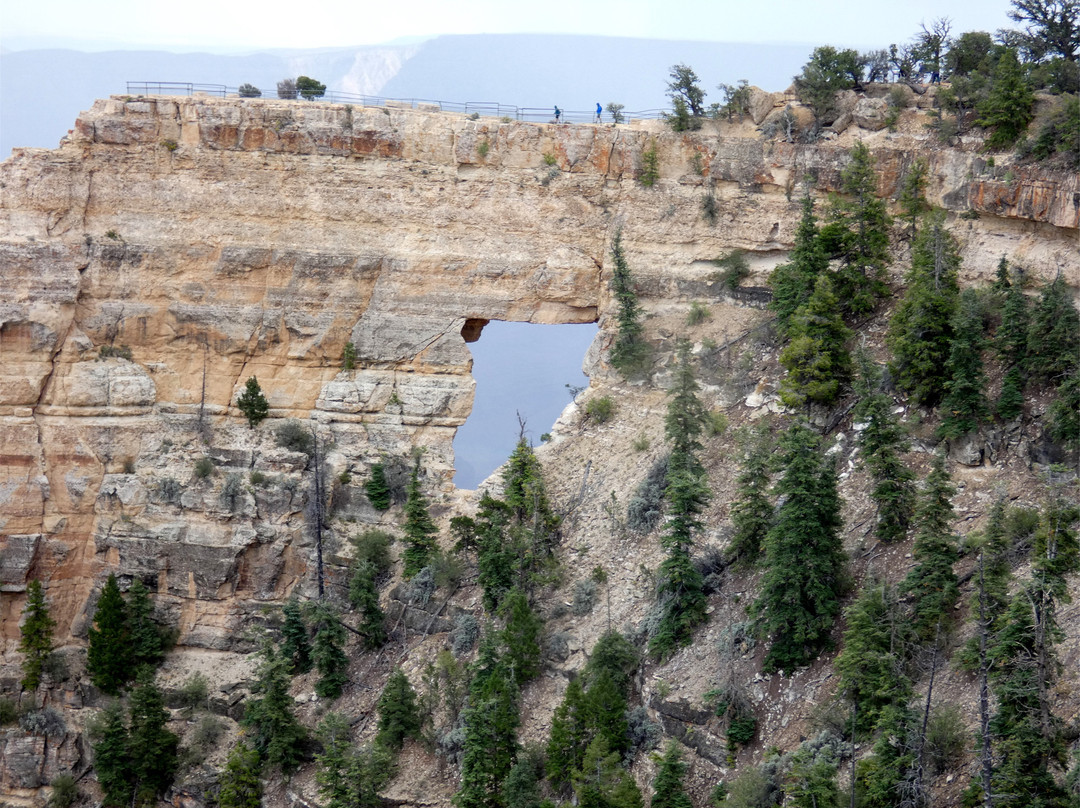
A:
<point x="201" y="241"/>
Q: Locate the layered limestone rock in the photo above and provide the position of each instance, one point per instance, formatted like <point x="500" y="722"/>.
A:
<point x="201" y="241"/>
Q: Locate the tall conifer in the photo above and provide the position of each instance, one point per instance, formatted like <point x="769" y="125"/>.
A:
<point x="420" y="530"/>
<point x="36" y="634"/>
<point x="964" y="404"/>
<point x="793" y="282"/>
<point x="151" y="747"/>
<point x="108" y="657"/>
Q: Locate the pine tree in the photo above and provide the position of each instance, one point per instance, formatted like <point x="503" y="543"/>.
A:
<point x="111" y="763"/>
<point x="630" y="351"/>
<point x="491" y="723"/>
<point x="364" y="597"/>
<point x="252" y="403"/>
<point x="881" y="443"/>
<point x="275" y="732"/>
<point x="496" y="558"/>
<point x="332" y="774"/>
<point x="240" y="787"/>
<point x="328" y="652"/>
<point x="882" y="777"/>
<point x="420" y="530"/>
<point x="526" y="494"/>
<point x="793" y="282"/>
<point x="964" y="404"/>
<point x="602" y="782"/>
<point x="871" y="662"/>
<point x="521" y="636"/>
<point x="920" y="333"/>
<point x="681" y="588"/>
<point x="613" y="656"/>
<point x="521" y="789"/>
<point x="151" y="747"/>
<point x="859" y="230"/>
<point x="912" y="199"/>
<point x="570" y="736"/>
<point x="668" y="789"/>
<point x="1065" y="412"/>
<point x="605" y="712"/>
<point x="1054" y="338"/>
<point x="804" y="557"/>
<point x="399" y="717"/>
<point x="932" y="584"/>
<point x="108" y="657"/>
<point x="144" y="634"/>
<point x="36" y="635"/>
<point x="377" y="488"/>
<point x="811" y="779"/>
<point x="1011" y="344"/>
<point x="1007" y="106"/>
<point x="295" y="646"/>
<point x="817" y="360"/>
<point x="752" y="510"/>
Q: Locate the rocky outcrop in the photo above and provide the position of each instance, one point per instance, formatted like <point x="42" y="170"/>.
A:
<point x="174" y="247"/>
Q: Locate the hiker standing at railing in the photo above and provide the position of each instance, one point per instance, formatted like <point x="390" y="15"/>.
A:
<point x="558" y="113"/>
<point x="599" y="112"/>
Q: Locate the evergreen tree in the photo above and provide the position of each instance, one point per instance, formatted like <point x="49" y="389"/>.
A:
<point x="681" y="588"/>
<point x="295" y="646"/>
<point x="605" y="713"/>
<point x="1065" y="412"/>
<point x="920" y="333"/>
<point x="333" y="762"/>
<point x="871" y="662"/>
<point x="881" y="442"/>
<point x="602" y="782"/>
<point x="151" y="747"/>
<point x="252" y="403"/>
<point x="990" y="600"/>
<point x="328" y="652"/>
<point x="111" y="762"/>
<point x="240" y="787"/>
<point x="859" y="234"/>
<point x="420" y="530"/>
<point x="275" y="733"/>
<point x="491" y="723"/>
<point x="804" y="556"/>
<point x="793" y="282"/>
<point x="521" y="636"/>
<point x="1054" y="338"/>
<point x="108" y="657"/>
<point x="752" y="510"/>
<point x="144" y="634"/>
<point x="630" y="351"/>
<point x="1007" y="106"/>
<point x="932" y="584"/>
<point x="668" y="789"/>
<point x="964" y="404"/>
<point x="882" y="777"/>
<point x="1011" y="343"/>
<point x="817" y="360"/>
<point x="399" y="717"/>
<point x="811" y="779"/>
<point x="36" y="635"/>
<point x="536" y="525"/>
<point x="364" y="596"/>
<point x="377" y="487"/>
<point x="912" y="200"/>
<point x="496" y="558"/>
<point x="370" y="769"/>
<point x="613" y="656"/>
<point x="521" y="789"/>
<point x="570" y="736"/>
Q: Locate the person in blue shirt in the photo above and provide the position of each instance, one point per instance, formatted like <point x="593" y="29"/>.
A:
<point x="558" y="113"/>
<point x="599" y="111"/>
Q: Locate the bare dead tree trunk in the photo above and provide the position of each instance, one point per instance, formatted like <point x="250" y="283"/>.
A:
<point x="920" y="749"/>
<point x="986" y="753"/>
<point x="318" y="509"/>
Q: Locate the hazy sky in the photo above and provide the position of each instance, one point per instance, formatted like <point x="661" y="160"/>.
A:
<point x="204" y="24"/>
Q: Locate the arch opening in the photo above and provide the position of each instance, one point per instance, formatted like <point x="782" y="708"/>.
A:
<point x="521" y="368"/>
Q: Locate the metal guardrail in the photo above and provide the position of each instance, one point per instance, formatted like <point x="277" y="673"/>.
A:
<point x="483" y="109"/>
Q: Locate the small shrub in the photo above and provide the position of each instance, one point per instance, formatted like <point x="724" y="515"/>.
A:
<point x="204" y="467"/>
<point x="64" y="791"/>
<point x="112" y="351"/>
<point x="129" y="466"/>
<point x="646" y="506"/>
<point x="946" y="738"/>
<point x="447" y="569"/>
<point x="373" y="547"/>
<point x="55" y="667"/>
<point x="207" y="732"/>
<point x="698" y="313"/>
<point x="716" y="423"/>
<point x="644" y="733"/>
<point x="483" y="148"/>
<point x="194" y="692"/>
<point x="169" y="490"/>
<point x="9" y="713"/>
<point x="249" y="91"/>
<point x="46" y="721"/>
<point x="170" y="144"/>
<point x="584" y="597"/>
<point x="545" y="438"/>
<point x="232" y="491"/>
<point x="344" y="477"/>
<point x="641" y="443"/>
<point x="733" y="269"/>
<point x="286" y="89"/>
<point x="710" y="211"/>
<point x="258" y="479"/>
<point x="599" y="410"/>
<point x="616" y="112"/>
<point x="112" y="235"/>
<point x="464" y="634"/>
<point x="295" y="437"/>
<point x="550" y="159"/>
<point x="557" y="645"/>
<point x="419" y="589"/>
